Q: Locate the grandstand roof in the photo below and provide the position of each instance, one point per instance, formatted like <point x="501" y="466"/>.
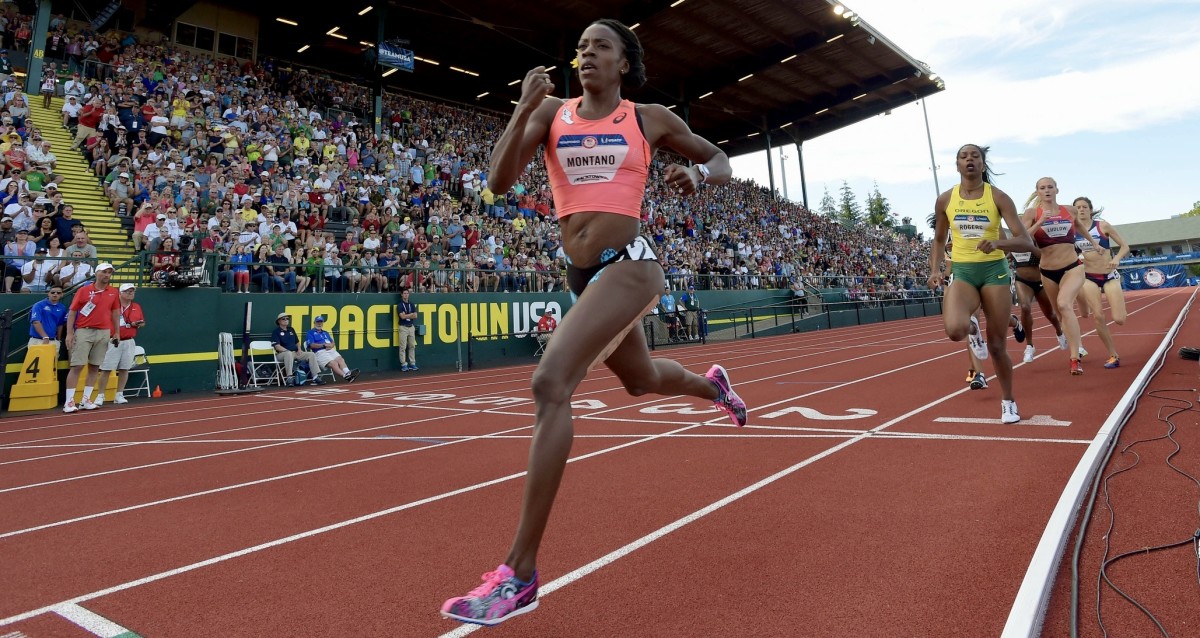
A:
<point x="740" y="68"/>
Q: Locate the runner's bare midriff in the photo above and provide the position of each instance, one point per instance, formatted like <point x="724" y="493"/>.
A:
<point x="586" y="235"/>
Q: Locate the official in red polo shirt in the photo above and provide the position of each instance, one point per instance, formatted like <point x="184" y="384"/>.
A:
<point x="91" y="326"/>
<point x="120" y="358"/>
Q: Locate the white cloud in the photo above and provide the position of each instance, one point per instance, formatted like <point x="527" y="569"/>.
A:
<point x="997" y="97"/>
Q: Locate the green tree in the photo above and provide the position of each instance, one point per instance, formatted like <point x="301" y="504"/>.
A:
<point x="879" y="210"/>
<point x="1195" y="212"/>
<point x="827" y="206"/>
<point x="849" y="212"/>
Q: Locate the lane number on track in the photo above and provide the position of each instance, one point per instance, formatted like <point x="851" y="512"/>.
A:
<point x="816" y="415"/>
<point x="676" y="408"/>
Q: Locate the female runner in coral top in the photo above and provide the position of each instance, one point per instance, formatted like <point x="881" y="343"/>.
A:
<point x="598" y="154"/>
<point x="1054" y="227"/>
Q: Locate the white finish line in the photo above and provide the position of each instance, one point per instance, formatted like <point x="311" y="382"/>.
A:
<point x="91" y="621"/>
<point x="1039" y="419"/>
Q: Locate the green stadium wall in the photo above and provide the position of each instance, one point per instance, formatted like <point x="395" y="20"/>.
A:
<point x="182" y="327"/>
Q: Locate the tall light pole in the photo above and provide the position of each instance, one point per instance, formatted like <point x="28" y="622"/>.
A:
<point x="932" y="162"/>
<point x="783" y="172"/>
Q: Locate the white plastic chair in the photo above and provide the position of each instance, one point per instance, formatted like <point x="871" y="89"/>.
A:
<point x="323" y="373"/>
<point x="141" y="366"/>
<point x="264" y="368"/>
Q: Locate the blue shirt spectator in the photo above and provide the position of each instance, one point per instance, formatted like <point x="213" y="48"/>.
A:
<point x="318" y="338"/>
<point x="50" y="314"/>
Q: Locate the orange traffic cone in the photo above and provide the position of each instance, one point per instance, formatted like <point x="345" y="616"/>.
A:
<point x="157" y="391"/>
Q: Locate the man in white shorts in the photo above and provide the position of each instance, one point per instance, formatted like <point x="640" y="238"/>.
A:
<point x="120" y="356"/>
<point x="320" y="343"/>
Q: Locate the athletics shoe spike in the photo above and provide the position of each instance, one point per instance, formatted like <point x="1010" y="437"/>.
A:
<point x="976" y="341"/>
<point x="727" y="400"/>
<point x="501" y="596"/>
<point x="1018" y="330"/>
<point x="979" y="382"/>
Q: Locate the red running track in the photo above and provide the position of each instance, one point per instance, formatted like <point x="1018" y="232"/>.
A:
<point x="871" y="494"/>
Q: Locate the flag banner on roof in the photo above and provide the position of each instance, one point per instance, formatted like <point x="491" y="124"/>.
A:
<point x="395" y="57"/>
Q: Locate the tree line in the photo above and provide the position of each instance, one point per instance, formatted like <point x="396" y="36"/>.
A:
<point x="846" y="209"/>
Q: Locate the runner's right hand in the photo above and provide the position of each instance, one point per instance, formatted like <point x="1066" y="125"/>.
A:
<point x="535" y="88"/>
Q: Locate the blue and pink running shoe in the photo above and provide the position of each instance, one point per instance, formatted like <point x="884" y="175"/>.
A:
<point x="501" y="596"/>
<point x="728" y="400"/>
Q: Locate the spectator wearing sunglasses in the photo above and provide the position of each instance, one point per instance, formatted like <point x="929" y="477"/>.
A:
<point x="48" y="319"/>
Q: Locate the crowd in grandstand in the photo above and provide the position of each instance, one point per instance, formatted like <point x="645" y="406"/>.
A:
<point x="266" y="171"/>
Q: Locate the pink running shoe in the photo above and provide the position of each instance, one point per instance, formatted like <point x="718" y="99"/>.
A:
<point x="728" y="400"/>
<point x="500" y="597"/>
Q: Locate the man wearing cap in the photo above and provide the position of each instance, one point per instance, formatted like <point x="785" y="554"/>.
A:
<point x="37" y="274"/>
<point x="73" y="88"/>
<point x="92" y="324"/>
<point x="89" y="119"/>
<point x="546" y="325"/>
<point x="120" y="356"/>
<point x="6" y="68"/>
<point x="320" y="343"/>
<point x="7" y="233"/>
<point x="142" y="221"/>
<point x="16" y="252"/>
<point x="120" y="194"/>
<point x="287" y="349"/>
<point x="691" y="315"/>
<point x="48" y="319"/>
<point x="70" y="111"/>
<point x="406" y="312"/>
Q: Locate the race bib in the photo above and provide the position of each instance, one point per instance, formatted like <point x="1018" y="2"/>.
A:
<point x="587" y="159"/>
<point x="971" y="226"/>
<point x="1058" y="228"/>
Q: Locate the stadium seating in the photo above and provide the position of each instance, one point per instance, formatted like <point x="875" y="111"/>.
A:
<point x="734" y="236"/>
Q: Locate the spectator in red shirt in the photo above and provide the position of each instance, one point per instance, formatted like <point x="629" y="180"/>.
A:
<point x="89" y="119"/>
<point x="546" y="326"/>
<point x="91" y="326"/>
<point x="120" y="358"/>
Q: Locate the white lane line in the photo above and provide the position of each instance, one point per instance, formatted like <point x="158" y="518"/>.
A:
<point x="617" y="554"/>
<point x="579" y="573"/>
<point x="310" y="533"/>
<point x="91" y="621"/>
<point x="226" y="488"/>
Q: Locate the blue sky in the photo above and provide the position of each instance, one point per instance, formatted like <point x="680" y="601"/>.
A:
<point x="1102" y="95"/>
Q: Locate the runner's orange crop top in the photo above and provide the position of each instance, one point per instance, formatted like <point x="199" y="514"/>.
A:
<point x="598" y="165"/>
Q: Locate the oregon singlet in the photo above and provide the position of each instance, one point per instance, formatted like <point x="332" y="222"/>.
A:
<point x="972" y="221"/>
<point x="597" y="165"/>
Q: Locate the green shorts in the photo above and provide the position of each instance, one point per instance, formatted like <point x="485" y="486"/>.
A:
<point x="982" y="273"/>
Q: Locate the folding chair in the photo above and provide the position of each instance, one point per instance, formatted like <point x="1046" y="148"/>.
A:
<point x="264" y="368"/>
<point x="540" y="346"/>
<point x="141" y="366"/>
<point x="322" y="373"/>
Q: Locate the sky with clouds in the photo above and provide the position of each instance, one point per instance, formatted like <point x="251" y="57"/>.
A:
<point x="1102" y="95"/>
